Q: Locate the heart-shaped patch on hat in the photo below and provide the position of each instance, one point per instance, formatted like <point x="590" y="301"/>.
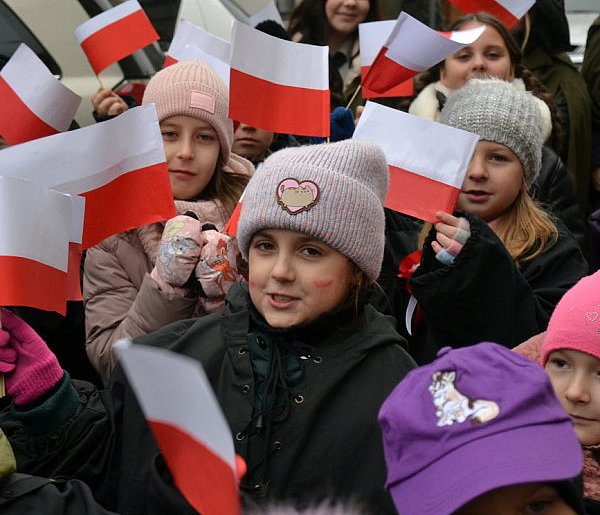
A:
<point x="295" y="196"/>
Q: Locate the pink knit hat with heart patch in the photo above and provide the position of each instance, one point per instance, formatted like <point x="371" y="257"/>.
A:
<point x="333" y="192"/>
<point x="575" y="323"/>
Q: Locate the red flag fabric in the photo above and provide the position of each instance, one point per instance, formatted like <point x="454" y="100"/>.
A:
<point x="33" y="103"/>
<point x="34" y="245"/>
<point x="118" y="166"/>
<point x="188" y="425"/>
<point x="232" y="224"/>
<point x="115" y="34"/>
<point x="427" y="160"/>
<point x="507" y="11"/>
<point x="278" y="85"/>
<point x="412" y="47"/>
<point x="372" y="35"/>
<point x="190" y="43"/>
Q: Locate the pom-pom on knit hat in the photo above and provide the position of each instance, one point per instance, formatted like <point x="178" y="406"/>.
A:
<point x="333" y="192"/>
<point x="575" y="322"/>
<point x="192" y="88"/>
<point x="497" y="111"/>
<point x="476" y="419"/>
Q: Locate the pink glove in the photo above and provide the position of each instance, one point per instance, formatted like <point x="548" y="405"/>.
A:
<point x="217" y="269"/>
<point x="178" y="253"/>
<point x="8" y="355"/>
<point x="35" y="370"/>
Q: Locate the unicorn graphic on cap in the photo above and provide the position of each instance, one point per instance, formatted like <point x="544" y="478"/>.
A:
<point x="453" y="406"/>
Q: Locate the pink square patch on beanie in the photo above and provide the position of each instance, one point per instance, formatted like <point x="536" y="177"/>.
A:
<point x="203" y="101"/>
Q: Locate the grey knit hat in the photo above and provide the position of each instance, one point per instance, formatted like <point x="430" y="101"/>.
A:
<point x="193" y="88"/>
<point x="496" y="111"/>
<point x="333" y="191"/>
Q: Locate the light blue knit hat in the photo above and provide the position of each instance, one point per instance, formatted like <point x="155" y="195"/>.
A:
<point x="333" y="191"/>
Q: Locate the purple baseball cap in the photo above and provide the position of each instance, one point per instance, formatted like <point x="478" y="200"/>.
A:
<point x="476" y="419"/>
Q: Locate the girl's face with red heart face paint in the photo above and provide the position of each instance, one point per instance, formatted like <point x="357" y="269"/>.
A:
<point x="294" y="277"/>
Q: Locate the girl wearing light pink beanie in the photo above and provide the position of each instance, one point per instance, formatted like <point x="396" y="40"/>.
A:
<point x="140" y="280"/>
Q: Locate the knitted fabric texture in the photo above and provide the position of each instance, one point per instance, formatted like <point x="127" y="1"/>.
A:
<point x="575" y="322"/>
<point x="333" y="192"/>
<point x="498" y="112"/>
<point x="192" y="88"/>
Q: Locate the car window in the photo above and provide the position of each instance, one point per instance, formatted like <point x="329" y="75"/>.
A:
<point x="13" y="32"/>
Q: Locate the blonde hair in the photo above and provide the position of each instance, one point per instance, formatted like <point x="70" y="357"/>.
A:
<point x="526" y="230"/>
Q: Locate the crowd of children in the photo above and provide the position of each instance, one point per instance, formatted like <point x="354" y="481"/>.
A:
<point x="342" y="339"/>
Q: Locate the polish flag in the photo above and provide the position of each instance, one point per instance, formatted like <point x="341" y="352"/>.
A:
<point x="115" y="34"/>
<point x="372" y="36"/>
<point x="278" y="85"/>
<point x="508" y="12"/>
<point x="428" y="161"/>
<point x="34" y="244"/>
<point x="411" y="48"/>
<point x="118" y="166"/>
<point x="191" y="43"/>
<point x="33" y="103"/>
<point x="187" y="423"/>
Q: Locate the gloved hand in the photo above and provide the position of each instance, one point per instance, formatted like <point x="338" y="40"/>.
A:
<point x="342" y="124"/>
<point x="30" y="369"/>
<point x="452" y="233"/>
<point x="178" y="253"/>
<point x="217" y="268"/>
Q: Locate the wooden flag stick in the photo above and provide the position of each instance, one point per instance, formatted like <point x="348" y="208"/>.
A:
<point x="354" y="96"/>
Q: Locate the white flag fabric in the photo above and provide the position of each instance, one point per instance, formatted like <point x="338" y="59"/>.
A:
<point x="427" y="160"/>
<point x="191" y="43"/>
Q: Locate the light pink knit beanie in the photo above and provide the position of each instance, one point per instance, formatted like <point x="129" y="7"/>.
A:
<point x="192" y="88"/>
<point x="575" y="323"/>
<point x="333" y="192"/>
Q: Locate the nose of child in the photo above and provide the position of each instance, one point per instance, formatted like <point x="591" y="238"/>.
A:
<point x="282" y="270"/>
<point x="477" y="171"/>
<point x="577" y="391"/>
<point x="186" y="149"/>
<point x="478" y="63"/>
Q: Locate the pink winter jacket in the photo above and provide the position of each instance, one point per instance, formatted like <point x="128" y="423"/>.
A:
<point x="532" y="349"/>
<point x="121" y="299"/>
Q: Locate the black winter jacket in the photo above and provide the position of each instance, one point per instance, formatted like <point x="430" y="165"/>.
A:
<point x="555" y="191"/>
<point x="482" y="296"/>
<point x="320" y="434"/>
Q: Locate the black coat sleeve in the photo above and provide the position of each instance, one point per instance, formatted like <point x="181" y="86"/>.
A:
<point x="484" y="296"/>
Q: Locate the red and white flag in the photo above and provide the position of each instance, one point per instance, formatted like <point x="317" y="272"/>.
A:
<point x="191" y="43"/>
<point x="372" y="36"/>
<point x="187" y="423"/>
<point x="34" y="245"/>
<point x="118" y="166"/>
<point x="278" y="85"/>
<point x="33" y="103"/>
<point x="115" y="34"/>
<point x="411" y="48"/>
<point x="427" y="160"/>
<point x="508" y="12"/>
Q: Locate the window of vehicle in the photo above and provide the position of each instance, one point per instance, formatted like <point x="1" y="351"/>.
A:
<point x="13" y="32"/>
